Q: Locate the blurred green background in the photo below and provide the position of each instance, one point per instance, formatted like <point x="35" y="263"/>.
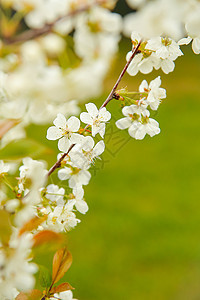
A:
<point x="141" y="237"/>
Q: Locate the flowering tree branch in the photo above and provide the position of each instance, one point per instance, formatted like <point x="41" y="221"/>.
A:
<point x="34" y="33"/>
<point x="109" y="98"/>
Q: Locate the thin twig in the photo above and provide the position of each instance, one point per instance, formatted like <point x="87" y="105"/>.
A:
<point x="34" y="33"/>
<point x="109" y="98"/>
<point x="58" y="163"/>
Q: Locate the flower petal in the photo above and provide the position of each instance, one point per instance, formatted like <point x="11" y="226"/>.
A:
<point x="123" y="123"/>
<point x="73" y="124"/>
<point x="53" y="133"/>
<point x="167" y="66"/>
<point x="64" y="144"/>
<point x="196" y="45"/>
<point x="99" y="148"/>
<point x="60" y="121"/>
<point x="64" y="174"/>
<point x="102" y="129"/>
<point x="81" y="206"/>
<point x="104" y="114"/>
<point x="76" y="138"/>
<point x="86" y="118"/>
<point x="88" y="143"/>
<point x="92" y="109"/>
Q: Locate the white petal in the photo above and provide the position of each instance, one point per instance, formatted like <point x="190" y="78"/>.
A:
<point x="84" y="177"/>
<point x="81" y="206"/>
<point x="143" y="85"/>
<point x="196" y="45"/>
<point x="167" y="66"/>
<point x="132" y="130"/>
<point x="76" y="138"/>
<point x="88" y="143"/>
<point x="73" y="124"/>
<point x="99" y="148"/>
<point x="126" y="110"/>
<point x="102" y="130"/>
<point x="64" y="144"/>
<point x="60" y="121"/>
<point x="104" y="114"/>
<point x="53" y="133"/>
<point x="155" y="83"/>
<point x="86" y="118"/>
<point x="185" y="41"/>
<point x="123" y="123"/>
<point x="146" y="66"/>
<point x="140" y="133"/>
<point x="64" y="174"/>
<point x="79" y="193"/>
<point x="78" y="159"/>
<point x="95" y="129"/>
<point x="92" y="109"/>
<point x="135" y="36"/>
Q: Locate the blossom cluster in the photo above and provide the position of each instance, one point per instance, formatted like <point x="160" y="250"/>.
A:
<point x="39" y="78"/>
<point x="42" y="80"/>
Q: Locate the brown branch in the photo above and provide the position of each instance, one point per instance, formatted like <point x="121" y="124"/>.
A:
<point x="109" y="98"/>
<point x="34" y="33"/>
<point x="58" y="163"/>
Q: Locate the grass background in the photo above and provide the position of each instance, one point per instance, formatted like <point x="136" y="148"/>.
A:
<point x="141" y="237"/>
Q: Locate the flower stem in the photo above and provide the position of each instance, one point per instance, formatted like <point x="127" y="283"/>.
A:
<point x="6" y="182"/>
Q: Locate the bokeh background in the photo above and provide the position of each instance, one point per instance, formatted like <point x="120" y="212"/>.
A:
<point x="141" y="237"/>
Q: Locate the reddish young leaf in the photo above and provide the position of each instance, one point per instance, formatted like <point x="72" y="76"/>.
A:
<point x="61" y="288"/>
<point x="35" y="295"/>
<point x="62" y="261"/>
<point x="32" y="224"/>
<point x="21" y="296"/>
<point x="46" y="236"/>
<point x="32" y="295"/>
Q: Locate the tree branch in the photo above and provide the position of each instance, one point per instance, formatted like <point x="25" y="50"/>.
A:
<point x="34" y="33"/>
<point x="109" y="98"/>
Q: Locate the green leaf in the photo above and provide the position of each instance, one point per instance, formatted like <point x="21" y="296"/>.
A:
<point x="5" y="227"/>
<point x="22" y="148"/>
<point x="44" y="277"/>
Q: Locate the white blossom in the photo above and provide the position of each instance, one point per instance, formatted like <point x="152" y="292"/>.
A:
<point x="78" y="201"/>
<point x="62" y="218"/>
<point x="77" y="177"/>
<point x="192" y="27"/>
<point x="167" y="50"/>
<point x="16" y="272"/>
<point x="138" y="122"/>
<point x="96" y="29"/>
<point x="155" y="93"/>
<point x="164" y="48"/>
<point x="156" y="53"/>
<point x="96" y="118"/>
<point x="55" y="194"/>
<point x="65" y="131"/>
<point x="84" y="155"/>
